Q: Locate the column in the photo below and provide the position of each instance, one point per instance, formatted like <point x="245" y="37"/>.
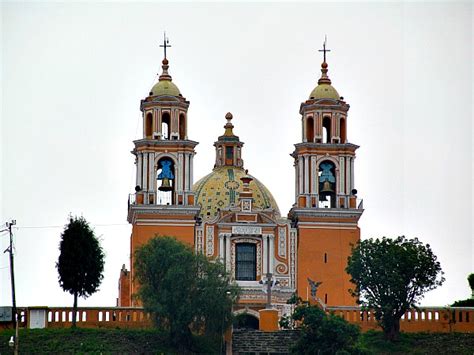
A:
<point x="306" y="174"/>
<point x="300" y="175"/>
<point x="179" y="177"/>
<point x="348" y="175"/>
<point x="314" y="175"/>
<point x="341" y="175"/>
<point x="296" y="180"/>
<point x="303" y="124"/>
<point x="227" y="253"/>
<point x="272" y="252"/>
<point x="158" y="122"/>
<point x="191" y="169"/>
<point x="144" y="172"/>
<point x="139" y="170"/>
<point x="151" y="171"/>
<point x="352" y="173"/>
<point x="221" y="246"/>
<point x="186" y="170"/>
<point x="265" y="252"/>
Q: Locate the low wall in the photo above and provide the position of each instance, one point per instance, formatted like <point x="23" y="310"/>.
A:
<point x="432" y="319"/>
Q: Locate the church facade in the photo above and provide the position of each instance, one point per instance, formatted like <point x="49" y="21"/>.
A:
<point x="229" y="215"/>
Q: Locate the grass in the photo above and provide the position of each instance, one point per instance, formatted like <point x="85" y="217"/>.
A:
<point x="113" y="341"/>
<point x="96" y="341"/>
<point x="419" y="343"/>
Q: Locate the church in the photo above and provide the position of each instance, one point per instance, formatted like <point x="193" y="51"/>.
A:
<point x="229" y="215"/>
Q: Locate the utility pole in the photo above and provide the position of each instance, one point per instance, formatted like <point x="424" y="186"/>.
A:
<point x="12" y="279"/>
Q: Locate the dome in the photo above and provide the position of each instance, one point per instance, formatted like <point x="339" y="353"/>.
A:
<point x="221" y="188"/>
<point x="324" y="91"/>
<point x="165" y="87"/>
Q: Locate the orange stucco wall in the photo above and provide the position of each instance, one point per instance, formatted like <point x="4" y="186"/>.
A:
<point x="313" y="244"/>
<point x="141" y="234"/>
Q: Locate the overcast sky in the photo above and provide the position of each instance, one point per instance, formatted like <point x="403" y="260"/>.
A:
<point x="73" y="76"/>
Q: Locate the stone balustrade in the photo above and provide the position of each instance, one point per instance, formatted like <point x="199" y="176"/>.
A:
<point x="423" y="319"/>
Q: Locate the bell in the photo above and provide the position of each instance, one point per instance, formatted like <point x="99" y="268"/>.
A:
<point x="165" y="185"/>
<point x="327" y="189"/>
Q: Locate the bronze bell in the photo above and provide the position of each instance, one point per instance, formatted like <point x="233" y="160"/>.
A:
<point x="327" y="188"/>
<point x="165" y="185"/>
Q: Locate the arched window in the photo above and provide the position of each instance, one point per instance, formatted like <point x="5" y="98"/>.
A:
<point x="245" y="262"/>
<point x="148" y="125"/>
<point x="165" y="125"/>
<point x="326" y="130"/>
<point x="343" y="130"/>
<point x="327" y="184"/>
<point x="310" y="129"/>
<point x="165" y="176"/>
<point x="182" y="127"/>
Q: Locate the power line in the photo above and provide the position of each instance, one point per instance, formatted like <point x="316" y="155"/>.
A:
<point x="62" y="226"/>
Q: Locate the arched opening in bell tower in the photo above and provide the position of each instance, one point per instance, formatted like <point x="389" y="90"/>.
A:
<point x="148" y="125"/>
<point x="327" y="184"/>
<point x="310" y="129"/>
<point x="182" y="127"/>
<point x="326" y="130"/>
<point x="343" y="130"/>
<point x="165" y="125"/>
<point x="165" y="176"/>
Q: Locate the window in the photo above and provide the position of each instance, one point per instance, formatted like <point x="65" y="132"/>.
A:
<point x="182" y="127"/>
<point x="245" y="262"/>
<point x="165" y="125"/>
<point x="148" y="125"/>
<point x="310" y="129"/>
<point x="229" y="155"/>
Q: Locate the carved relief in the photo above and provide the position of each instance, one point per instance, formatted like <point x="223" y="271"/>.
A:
<point x="210" y="240"/>
<point x="281" y="268"/>
<point x="282" y="242"/>
<point x="199" y="241"/>
<point x="246" y="230"/>
<point x="293" y="258"/>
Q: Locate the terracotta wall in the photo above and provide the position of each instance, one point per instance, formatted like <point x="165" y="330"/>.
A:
<point x="313" y="244"/>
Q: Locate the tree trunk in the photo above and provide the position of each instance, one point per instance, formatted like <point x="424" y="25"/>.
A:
<point x="392" y="332"/>
<point x="74" y="311"/>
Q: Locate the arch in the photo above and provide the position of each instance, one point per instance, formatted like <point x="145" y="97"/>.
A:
<point x="165" y="125"/>
<point x="327" y="179"/>
<point x="310" y="129"/>
<point x="148" y="125"/>
<point x="342" y="130"/>
<point x="166" y="172"/>
<point x="182" y="126"/>
<point x="248" y="311"/>
<point x="327" y="129"/>
<point x="246" y="321"/>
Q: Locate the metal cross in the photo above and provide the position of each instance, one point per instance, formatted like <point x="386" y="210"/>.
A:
<point x="166" y="43"/>
<point x="324" y="50"/>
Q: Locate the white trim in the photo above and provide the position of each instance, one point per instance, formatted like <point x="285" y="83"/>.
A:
<point x="248" y="311"/>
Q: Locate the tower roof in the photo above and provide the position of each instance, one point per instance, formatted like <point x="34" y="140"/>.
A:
<point x="165" y="86"/>
<point x="324" y="90"/>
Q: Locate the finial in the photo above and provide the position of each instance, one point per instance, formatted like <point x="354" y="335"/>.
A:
<point x="324" y="66"/>
<point x="165" y="75"/>
<point x="228" y="126"/>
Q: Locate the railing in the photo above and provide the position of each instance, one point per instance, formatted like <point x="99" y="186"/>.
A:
<point x="121" y="317"/>
<point x="424" y="319"/>
<point x="431" y="319"/>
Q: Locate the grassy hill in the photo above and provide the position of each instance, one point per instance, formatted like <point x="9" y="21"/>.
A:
<point x="112" y="341"/>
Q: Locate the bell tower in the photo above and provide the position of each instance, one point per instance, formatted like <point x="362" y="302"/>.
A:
<point x="163" y="202"/>
<point x="326" y="209"/>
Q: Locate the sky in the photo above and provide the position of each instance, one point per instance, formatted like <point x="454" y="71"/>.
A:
<point x="73" y="75"/>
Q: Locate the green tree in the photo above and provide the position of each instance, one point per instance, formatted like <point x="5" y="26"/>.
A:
<point x="81" y="261"/>
<point x="322" y="333"/>
<point x="391" y="276"/>
<point x="183" y="290"/>
<point x="470" y="279"/>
